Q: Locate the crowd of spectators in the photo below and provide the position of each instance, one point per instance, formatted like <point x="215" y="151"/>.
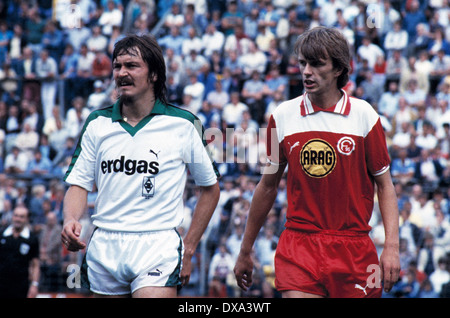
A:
<point x="230" y="63"/>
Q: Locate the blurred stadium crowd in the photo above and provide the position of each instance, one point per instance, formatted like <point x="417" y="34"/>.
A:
<point x="231" y="64"/>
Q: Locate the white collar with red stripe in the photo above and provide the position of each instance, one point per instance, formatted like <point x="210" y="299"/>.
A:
<point x="342" y="107"/>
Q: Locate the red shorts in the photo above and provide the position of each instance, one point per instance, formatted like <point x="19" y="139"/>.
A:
<point x="328" y="263"/>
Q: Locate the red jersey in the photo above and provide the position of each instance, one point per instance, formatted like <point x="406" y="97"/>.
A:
<point x="332" y="157"/>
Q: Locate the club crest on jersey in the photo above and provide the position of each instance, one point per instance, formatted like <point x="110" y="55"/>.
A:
<point x="148" y="187"/>
<point x="346" y="145"/>
<point x="317" y="158"/>
<point x="24" y="248"/>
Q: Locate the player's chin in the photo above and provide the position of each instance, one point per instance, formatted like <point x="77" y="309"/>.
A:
<point x="310" y="88"/>
<point x="123" y="90"/>
<point x="127" y="98"/>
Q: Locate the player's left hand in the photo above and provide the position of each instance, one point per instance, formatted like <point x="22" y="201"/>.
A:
<point x="390" y="267"/>
<point x="243" y="271"/>
<point x="185" y="271"/>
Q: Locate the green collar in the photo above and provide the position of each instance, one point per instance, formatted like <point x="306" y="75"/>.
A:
<point x="158" y="109"/>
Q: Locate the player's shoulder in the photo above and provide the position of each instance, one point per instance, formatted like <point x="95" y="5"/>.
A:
<point x="362" y="106"/>
<point x="95" y="118"/>
<point x="182" y="116"/>
<point x="359" y="102"/>
<point x="176" y="111"/>
<point x="106" y="111"/>
<point x="363" y="114"/>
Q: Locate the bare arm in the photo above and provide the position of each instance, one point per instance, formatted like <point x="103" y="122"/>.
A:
<point x="75" y="203"/>
<point x="263" y="199"/>
<point x="389" y="260"/>
<point x="34" y="277"/>
<point x="204" y="209"/>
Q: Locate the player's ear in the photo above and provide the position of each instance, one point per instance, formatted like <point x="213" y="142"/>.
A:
<point x="338" y="72"/>
<point x="153" y="78"/>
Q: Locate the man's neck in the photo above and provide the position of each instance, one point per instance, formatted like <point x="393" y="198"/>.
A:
<point x="134" y="111"/>
<point x="17" y="231"/>
<point x="325" y="100"/>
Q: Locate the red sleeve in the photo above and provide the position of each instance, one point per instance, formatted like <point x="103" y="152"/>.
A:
<point x="377" y="155"/>
<point x="275" y="151"/>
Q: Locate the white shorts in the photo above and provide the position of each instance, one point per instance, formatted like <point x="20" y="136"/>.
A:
<point x="119" y="263"/>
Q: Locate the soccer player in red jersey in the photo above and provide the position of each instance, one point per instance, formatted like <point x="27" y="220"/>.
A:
<point x="335" y="148"/>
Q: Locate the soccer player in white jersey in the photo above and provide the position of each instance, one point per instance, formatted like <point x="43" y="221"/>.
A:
<point x="335" y="150"/>
<point x="137" y="152"/>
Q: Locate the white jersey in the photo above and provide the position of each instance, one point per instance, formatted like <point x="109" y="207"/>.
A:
<point x="140" y="171"/>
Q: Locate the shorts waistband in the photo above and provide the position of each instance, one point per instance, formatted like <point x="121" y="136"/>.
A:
<point x="137" y="233"/>
<point x="346" y="233"/>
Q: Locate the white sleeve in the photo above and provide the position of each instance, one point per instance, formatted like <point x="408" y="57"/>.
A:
<point x="81" y="171"/>
<point x="198" y="161"/>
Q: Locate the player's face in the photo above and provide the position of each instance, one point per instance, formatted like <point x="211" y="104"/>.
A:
<point x="318" y="76"/>
<point x="130" y="74"/>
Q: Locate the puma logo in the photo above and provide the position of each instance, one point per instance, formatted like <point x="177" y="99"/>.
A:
<point x="155" y="153"/>
<point x="357" y="286"/>
<point x="157" y="272"/>
<point x="293" y="146"/>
